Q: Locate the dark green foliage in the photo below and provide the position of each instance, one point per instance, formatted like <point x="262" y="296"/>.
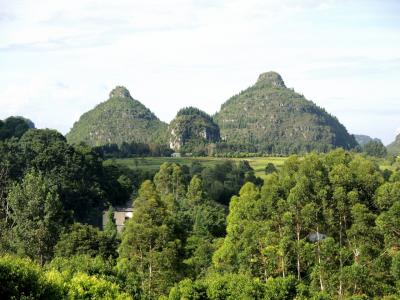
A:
<point x="192" y="130"/>
<point x="270" y="118"/>
<point x="133" y="149"/>
<point x="322" y="226"/>
<point x="270" y="168"/>
<point x="274" y="232"/>
<point x="76" y="171"/>
<point x="86" y="239"/>
<point x="36" y="211"/>
<point x="148" y="246"/>
<point x="225" y="180"/>
<point x="119" y="119"/>
<point x="375" y="148"/>
<point x="14" y="127"/>
<point x="111" y="227"/>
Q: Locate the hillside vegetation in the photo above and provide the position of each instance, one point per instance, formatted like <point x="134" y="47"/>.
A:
<point x="191" y="130"/>
<point x="320" y="226"/>
<point x="14" y="127"/>
<point x="394" y="148"/>
<point x="268" y="117"/>
<point x="119" y="119"/>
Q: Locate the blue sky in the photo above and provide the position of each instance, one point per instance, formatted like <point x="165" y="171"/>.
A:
<point x="59" y="59"/>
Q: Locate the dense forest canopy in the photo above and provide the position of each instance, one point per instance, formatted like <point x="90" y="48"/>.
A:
<point x="322" y="226"/>
<point x="14" y="127"/>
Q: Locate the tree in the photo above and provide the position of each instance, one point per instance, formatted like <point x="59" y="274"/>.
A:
<point x="86" y="239"/>
<point x="14" y="127"/>
<point x="241" y="249"/>
<point x="36" y="213"/>
<point x="23" y="279"/>
<point x="77" y="171"/>
<point x="148" y="245"/>
<point x="388" y="223"/>
<point x="171" y="185"/>
<point x="206" y="222"/>
<point x="364" y="242"/>
<point x="375" y="148"/>
<point x="111" y="227"/>
<point x="270" y="168"/>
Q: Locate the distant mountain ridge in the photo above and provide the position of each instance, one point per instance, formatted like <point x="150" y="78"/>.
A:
<point x="269" y="117"/>
<point x="363" y="139"/>
<point x="119" y="119"/>
<point x="394" y="148"/>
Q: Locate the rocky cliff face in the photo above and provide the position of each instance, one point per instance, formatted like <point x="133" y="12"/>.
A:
<point x="190" y="128"/>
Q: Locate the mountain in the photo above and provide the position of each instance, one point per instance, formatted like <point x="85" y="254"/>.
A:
<point x="394" y="148"/>
<point x="119" y="119"/>
<point x="363" y="139"/>
<point x="192" y="129"/>
<point x="269" y="117"/>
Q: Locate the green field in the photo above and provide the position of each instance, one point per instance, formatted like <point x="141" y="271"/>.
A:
<point x="153" y="163"/>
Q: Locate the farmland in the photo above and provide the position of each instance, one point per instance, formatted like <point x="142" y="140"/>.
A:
<point x="152" y="164"/>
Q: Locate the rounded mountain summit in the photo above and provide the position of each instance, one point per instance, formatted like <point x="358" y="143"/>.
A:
<point x="192" y="129"/>
<point x="269" y="117"/>
<point x="119" y="119"/>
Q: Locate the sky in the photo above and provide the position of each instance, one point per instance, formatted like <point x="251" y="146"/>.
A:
<point x="58" y="59"/>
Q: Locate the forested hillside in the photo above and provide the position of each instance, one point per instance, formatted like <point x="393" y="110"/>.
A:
<point x="322" y="226"/>
<point x="266" y="118"/>
<point x="394" y="148"/>
<point x="192" y="130"/>
<point x="269" y="117"/>
<point x="120" y="119"/>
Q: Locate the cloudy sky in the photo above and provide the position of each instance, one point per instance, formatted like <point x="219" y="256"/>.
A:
<point x="60" y="58"/>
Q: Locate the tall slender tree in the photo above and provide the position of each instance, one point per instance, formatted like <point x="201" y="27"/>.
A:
<point x="36" y="213"/>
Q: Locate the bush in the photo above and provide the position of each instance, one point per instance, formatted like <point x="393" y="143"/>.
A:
<point x="83" y="286"/>
<point x="23" y="279"/>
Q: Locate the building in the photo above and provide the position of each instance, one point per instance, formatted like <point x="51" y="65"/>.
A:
<point x="121" y="214"/>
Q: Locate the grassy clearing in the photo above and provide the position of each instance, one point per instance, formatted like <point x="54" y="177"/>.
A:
<point x="152" y="164"/>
